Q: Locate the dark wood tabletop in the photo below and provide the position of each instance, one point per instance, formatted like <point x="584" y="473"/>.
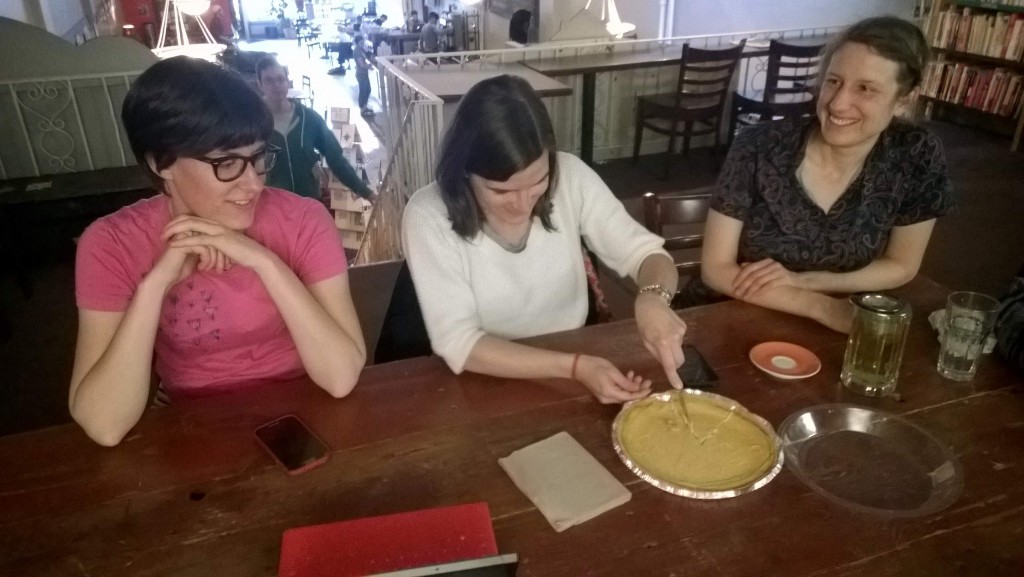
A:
<point x="189" y="492"/>
<point x="450" y="82"/>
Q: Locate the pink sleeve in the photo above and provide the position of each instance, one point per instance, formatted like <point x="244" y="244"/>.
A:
<point x="102" y="279"/>
<point x="319" y="254"/>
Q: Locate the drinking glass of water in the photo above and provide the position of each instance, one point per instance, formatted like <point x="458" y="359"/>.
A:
<point x="969" y="320"/>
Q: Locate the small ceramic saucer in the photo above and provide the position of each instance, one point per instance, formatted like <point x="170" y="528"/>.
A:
<point x="785" y="360"/>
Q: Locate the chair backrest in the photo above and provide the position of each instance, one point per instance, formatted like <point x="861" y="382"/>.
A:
<point x="792" y="72"/>
<point x="372" y="287"/>
<point x="707" y="73"/>
<point x="690" y="207"/>
<point x="404" y="333"/>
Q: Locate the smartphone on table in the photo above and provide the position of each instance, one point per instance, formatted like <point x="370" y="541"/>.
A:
<point x="292" y="444"/>
<point x="695" y="372"/>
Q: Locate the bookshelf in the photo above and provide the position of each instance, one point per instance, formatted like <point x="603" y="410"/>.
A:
<point x="978" y="63"/>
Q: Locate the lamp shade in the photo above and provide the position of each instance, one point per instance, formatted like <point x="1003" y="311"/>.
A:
<point x="193" y="7"/>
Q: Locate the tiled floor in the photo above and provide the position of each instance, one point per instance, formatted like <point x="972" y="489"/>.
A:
<point x="979" y="247"/>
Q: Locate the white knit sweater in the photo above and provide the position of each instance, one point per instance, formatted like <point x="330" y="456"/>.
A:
<point x="468" y="288"/>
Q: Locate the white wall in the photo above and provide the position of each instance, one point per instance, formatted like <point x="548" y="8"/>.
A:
<point x="61" y="16"/>
<point x="697" y="17"/>
<point x="26" y="11"/>
<point x="641" y="13"/>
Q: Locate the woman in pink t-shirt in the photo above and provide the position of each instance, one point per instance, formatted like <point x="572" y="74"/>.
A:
<point x="218" y="283"/>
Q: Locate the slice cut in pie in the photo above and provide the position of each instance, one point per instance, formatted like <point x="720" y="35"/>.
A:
<point x="725" y="450"/>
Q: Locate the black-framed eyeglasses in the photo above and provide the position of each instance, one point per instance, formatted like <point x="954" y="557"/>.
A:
<point x="232" y="166"/>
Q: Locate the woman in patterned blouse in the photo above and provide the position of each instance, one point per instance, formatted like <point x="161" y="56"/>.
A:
<point x="838" y="203"/>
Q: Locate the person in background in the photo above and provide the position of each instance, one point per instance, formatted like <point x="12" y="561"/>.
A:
<point x="302" y="136"/>
<point x="379" y="32"/>
<point x="494" y="248"/>
<point x="519" y="27"/>
<point x="219" y="25"/>
<point x="360" y="53"/>
<point x="218" y="283"/>
<point x="430" y="35"/>
<point x="841" y="202"/>
<point x="413" y="24"/>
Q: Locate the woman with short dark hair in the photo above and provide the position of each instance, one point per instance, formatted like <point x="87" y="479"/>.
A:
<point x="839" y="203"/>
<point x="218" y="283"/>
<point x="494" y="247"/>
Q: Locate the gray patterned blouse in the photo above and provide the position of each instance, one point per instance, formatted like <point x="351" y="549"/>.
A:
<point x="904" y="181"/>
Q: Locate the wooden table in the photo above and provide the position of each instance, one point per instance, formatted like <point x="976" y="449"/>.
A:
<point x="397" y="39"/>
<point x="588" y="65"/>
<point x="450" y="82"/>
<point x="190" y="493"/>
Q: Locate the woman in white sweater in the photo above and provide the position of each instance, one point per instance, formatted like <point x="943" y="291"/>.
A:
<point x="494" y="247"/>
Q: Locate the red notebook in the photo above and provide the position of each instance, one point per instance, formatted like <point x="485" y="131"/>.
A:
<point x="389" y="543"/>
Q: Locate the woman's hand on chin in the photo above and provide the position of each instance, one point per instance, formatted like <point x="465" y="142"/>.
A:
<point x="174" y="266"/>
<point x="224" y="246"/>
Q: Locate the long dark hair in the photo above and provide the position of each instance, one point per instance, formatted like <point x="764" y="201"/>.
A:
<point x="500" y="128"/>
<point x="185" y="107"/>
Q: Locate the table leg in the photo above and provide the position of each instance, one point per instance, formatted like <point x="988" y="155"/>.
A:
<point x="587" y="125"/>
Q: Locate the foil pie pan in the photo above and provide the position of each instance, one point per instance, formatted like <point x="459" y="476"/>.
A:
<point x="693" y="492"/>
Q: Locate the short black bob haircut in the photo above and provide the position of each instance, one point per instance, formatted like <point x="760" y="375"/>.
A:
<point x="500" y="128"/>
<point x="185" y="107"/>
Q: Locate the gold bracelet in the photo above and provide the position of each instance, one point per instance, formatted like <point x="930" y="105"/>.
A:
<point x="658" y="290"/>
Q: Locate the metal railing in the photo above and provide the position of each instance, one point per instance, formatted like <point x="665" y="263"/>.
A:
<point x="63" y="124"/>
<point x="415" y="116"/>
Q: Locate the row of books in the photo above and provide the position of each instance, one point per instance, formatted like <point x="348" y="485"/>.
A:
<point x="997" y="90"/>
<point x="998" y="35"/>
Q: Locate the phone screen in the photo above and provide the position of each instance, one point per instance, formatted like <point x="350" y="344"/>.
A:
<point x="291" y="443"/>
<point x="696" y="373"/>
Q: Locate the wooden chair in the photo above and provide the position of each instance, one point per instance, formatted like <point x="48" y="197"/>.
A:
<point x="696" y="107"/>
<point x="372" y="287"/>
<point x="789" y="88"/>
<point x="307" y="91"/>
<point x="689" y="208"/>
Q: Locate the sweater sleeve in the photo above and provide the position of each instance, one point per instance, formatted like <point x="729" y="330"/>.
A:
<point x="331" y="150"/>
<point x="442" y="283"/>
<point x="619" y="240"/>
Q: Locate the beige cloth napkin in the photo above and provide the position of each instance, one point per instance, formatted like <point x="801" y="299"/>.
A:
<point x="564" y="481"/>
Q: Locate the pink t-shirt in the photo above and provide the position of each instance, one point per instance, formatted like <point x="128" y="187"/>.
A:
<point x="218" y="331"/>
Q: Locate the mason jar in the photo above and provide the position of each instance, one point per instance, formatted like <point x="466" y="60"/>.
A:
<point x="874" y="349"/>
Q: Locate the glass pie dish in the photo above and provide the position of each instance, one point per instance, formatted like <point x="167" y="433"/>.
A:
<point x="871" y="461"/>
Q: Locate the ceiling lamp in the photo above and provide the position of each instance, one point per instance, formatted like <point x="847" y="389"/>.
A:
<point x="195" y="8"/>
